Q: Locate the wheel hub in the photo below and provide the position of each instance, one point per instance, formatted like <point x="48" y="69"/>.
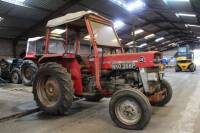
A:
<point x="50" y="92"/>
<point x="28" y="73"/>
<point x="128" y="112"/>
<point x="15" y="77"/>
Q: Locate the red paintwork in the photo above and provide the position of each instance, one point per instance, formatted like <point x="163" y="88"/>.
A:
<point x="96" y="55"/>
<point x="75" y="71"/>
<point x="59" y="56"/>
<point x="148" y="59"/>
<point x="30" y="55"/>
<point x="77" y="42"/>
<point x="47" y="41"/>
<point x="69" y="60"/>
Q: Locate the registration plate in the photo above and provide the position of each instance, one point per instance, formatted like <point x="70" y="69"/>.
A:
<point x="117" y="66"/>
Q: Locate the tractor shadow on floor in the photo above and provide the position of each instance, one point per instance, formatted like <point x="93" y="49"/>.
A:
<point x="77" y="107"/>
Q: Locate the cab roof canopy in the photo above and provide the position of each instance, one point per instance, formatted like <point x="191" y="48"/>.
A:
<point x="72" y="17"/>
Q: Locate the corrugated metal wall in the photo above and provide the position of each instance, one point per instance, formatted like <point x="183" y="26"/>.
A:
<point x="6" y="48"/>
<point x="170" y="53"/>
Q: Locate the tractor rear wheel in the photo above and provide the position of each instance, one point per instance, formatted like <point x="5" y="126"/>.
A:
<point x="28" y="71"/>
<point x="16" y="76"/>
<point x="130" y="109"/>
<point x="166" y="87"/>
<point x="52" y="89"/>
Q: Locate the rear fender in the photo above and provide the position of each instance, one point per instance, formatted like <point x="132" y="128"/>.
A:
<point x="73" y="67"/>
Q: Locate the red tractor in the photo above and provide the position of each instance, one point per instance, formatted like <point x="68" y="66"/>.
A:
<point x="35" y="50"/>
<point x="95" y="66"/>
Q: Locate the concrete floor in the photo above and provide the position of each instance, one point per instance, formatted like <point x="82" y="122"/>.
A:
<point x="181" y="115"/>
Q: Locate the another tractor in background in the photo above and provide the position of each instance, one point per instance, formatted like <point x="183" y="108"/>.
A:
<point x="10" y="70"/>
<point x="184" y="60"/>
<point x="35" y="50"/>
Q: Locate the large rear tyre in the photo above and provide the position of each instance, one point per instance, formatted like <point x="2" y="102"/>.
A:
<point x="130" y="109"/>
<point x="167" y="94"/>
<point x="28" y="71"/>
<point x="52" y="89"/>
<point x="16" y="76"/>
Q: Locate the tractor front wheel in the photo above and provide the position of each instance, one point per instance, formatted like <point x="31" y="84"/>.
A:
<point x="52" y="89"/>
<point x="28" y="71"/>
<point x="130" y="109"/>
<point x="16" y="76"/>
<point x="167" y="93"/>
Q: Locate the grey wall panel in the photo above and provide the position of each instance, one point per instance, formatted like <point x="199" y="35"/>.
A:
<point x="169" y="53"/>
<point x="6" y="48"/>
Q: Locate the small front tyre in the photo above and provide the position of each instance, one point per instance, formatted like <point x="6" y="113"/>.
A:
<point x="130" y="109"/>
<point x="28" y="71"/>
<point x="167" y="94"/>
<point x="16" y="76"/>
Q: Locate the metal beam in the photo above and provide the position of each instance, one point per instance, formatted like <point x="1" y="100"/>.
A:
<point x="7" y="16"/>
<point x="152" y="42"/>
<point x="162" y="21"/>
<point x="184" y="43"/>
<point x="168" y="30"/>
<point x="27" y="5"/>
<point x="59" y="11"/>
<point x="12" y="28"/>
<point x="175" y="41"/>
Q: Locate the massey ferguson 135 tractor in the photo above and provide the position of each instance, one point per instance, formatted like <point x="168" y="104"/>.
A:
<point x="96" y="69"/>
<point x="34" y="50"/>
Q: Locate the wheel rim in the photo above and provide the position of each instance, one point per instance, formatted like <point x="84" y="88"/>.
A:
<point x="15" y="77"/>
<point x="48" y="92"/>
<point x="28" y="72"/>
<point x="128" y="111"/>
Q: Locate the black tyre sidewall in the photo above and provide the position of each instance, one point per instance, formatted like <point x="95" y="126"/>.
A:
<point x="64" y="101"/>
<point x="17" y="71"/>
<point x="192" y="68"/>
<point x="168" y="97"/>
<point x="142" y="102"/>
<point x="177" y="69"/>
<point x="28" y="63"/>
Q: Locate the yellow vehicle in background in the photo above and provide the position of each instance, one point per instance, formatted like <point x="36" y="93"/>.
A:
<point x="184" y="60"/>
